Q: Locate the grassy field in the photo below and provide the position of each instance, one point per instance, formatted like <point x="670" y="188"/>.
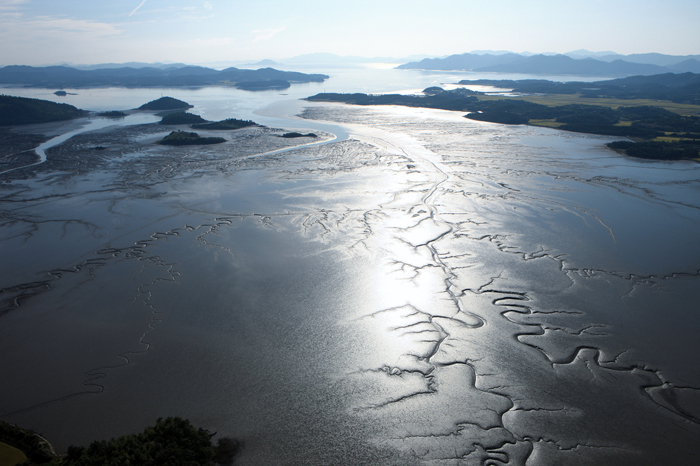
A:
<point x="10" y="456"/>
<point x="554" y="100"/>
<point x="548" y="123"/>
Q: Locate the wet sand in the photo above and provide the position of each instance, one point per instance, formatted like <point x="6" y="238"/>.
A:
<point x="432" y="290"/>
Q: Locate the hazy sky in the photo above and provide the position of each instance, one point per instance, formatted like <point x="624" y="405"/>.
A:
<point x="196" y="31"/>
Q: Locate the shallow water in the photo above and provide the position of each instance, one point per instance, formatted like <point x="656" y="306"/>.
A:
<point x="425" y="289"/>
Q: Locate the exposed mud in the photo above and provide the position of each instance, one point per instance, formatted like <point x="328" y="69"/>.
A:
<point x="430" y="291"/>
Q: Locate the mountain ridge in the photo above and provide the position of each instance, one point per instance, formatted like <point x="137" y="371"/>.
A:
<point x="560" y="64"/>
<point x="186" y="76"/>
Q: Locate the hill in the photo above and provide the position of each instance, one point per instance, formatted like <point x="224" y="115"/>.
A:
<point x="23" y="111"/>
<point x="165" y="103"/>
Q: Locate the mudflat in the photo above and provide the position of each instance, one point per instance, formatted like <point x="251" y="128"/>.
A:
<point x="430" y="290"/>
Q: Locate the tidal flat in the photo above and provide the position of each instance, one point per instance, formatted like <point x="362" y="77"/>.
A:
<point x="427" y="290"/>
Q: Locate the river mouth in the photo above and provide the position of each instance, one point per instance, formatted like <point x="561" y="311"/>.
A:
<point x="427" y="290"/>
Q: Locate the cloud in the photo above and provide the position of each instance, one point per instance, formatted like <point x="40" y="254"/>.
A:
<point x="135" y="9"/>
<point x="43" y="26"/>
<point x="11" y="4"/>
<point x="265" y="34"/>
<point x="11" y="8"/>
<point x="207" y="6"/>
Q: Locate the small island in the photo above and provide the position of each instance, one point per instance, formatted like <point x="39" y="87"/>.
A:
<point x="184" y="138"/>
<point x="181" y="118"/>
<point x="197" y="122"/>
<point x="228" y="124"/>
<point x="112" y="114"/>
<point x="298" y="135"/>
<point x="165" y="103"/>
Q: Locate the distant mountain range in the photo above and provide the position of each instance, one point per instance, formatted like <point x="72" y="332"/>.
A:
<point x="58" y="77"/>
<point x="578" y="63"/>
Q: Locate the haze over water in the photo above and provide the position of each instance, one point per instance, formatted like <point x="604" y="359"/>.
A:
<point x="424" y="289"/>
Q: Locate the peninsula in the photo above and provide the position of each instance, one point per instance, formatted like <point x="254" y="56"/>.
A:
<point x="23" y="111"/>
<point x="666" y="129"/>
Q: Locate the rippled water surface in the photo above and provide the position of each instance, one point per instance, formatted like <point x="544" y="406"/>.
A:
<point x="422" y="289"/>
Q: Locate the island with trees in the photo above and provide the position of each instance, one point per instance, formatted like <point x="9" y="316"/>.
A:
<point x="227" y="124"/>
<point x="293" y="135"/>
<point x="165" y="103"/>
<point x="666" y="129"/>
<point x="184" y="138"/>
<point x="113" y="114"/>
<point x="197" y="122"/>
<point x="181" y="118"/>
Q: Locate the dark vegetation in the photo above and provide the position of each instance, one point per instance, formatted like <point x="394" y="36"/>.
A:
<point x="181" y="118"/>
<point x="35" y="448"/>
<point x="666" y="135"/>
<point x="165" y="103"/>
<point x="183" y="76"/>
<point x="172" y="441"/>
<point x="636" y="122"/>
<point x="658" y="150"/>
<point x="299" y="135"/>
<point x="184" y="138"/>
<point x="680" y="88"/>
<point x="230" y="123"/>
<point x="112" y="114"/>
<point x="458" y="100"/>
<point x="23" y="111"/>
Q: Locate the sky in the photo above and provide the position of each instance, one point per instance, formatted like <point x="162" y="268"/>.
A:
<point x="40" y="32"/>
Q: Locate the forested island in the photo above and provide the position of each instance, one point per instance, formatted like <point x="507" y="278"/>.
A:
<point x="657" y="132"/>
<point x="181" y="118"/>
<point x="185" y="138"/>
<point x="60" y="77"/>
<point x="165" y="103"/>
<point x="197" y="122"/>
<point x="227" y="124"/>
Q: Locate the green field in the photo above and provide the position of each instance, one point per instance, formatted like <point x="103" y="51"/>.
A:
<point x="10" y="456"/>
<point x="551" y="123"/>
<point x="554" y="100"/>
